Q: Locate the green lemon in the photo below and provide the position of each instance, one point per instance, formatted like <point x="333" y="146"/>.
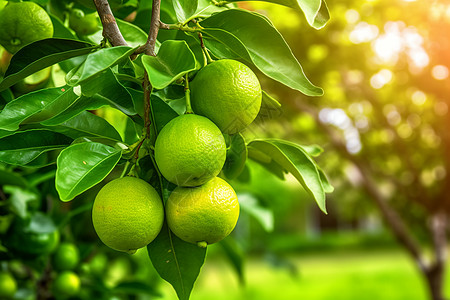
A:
<point x="190" y="150"/>
<point x="66" y="257"/>
<point x="205" y="214"/>
<point x="8" y="285"/>
<point x="127" y="214"/>
<point x="32" y="244"/>
<point x="22" y="23"/>
<point x="84" y="24"/>
<point x="66" y="284"/>
<point x="228" y="93"/>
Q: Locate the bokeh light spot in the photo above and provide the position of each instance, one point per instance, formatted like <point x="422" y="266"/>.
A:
<point x="439" y="72"/>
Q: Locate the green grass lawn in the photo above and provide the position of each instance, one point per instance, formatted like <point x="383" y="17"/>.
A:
<point x="352" y="275"/>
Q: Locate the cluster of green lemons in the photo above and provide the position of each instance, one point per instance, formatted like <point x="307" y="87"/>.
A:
<point x="190" y="151"/>
<point x="65" y="257"/>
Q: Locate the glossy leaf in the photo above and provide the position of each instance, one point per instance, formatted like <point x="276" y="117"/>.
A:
<point x="296" y="161"/>
<point x="98" y="62"/>
<point x="206" y="8"/>
<point x="184" y="9"/>
<point x="253" y="38"/>
<point x="326" y="184"/>
<point x="107" y="87"/>
<point x="194" y="45"/>
<point x="35" y="107"/>
<point x="270" y="107"/>
<point x="316" y="11"/>
<point x="41" y="54"/>
<point x="236" y="156"/>
<point x="44" y="159"/>
<point x="81" y="166"/>
<point x="61" y="31"/>
<point x="176" y="261"/>
<point x="174" y="59"/>
<point x="133" y="35"/>
<point x="263" y="215"/>
<point x="87" y="124"/>
<point x="162" y="112"/>
<point x="80" y="104"/>
<point x="266" y="161"/>
<point x="22" y="147"/>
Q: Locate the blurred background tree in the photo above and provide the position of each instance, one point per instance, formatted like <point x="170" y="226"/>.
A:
<point x="384" y="66"/>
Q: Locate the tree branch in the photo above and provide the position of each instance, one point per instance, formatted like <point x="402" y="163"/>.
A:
<point x="155" y="24"/>
<point x="110" y="29"/>
<point x="438" y="228"/>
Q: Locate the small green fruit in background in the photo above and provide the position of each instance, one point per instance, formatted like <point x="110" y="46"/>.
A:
<point x="66" y="257"/>
<point x="8" y="285"/>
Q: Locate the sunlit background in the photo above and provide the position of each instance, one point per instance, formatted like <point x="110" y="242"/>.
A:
<point x="383" y="122"/>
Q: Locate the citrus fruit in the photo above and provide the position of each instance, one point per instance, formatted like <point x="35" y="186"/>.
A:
<point x="205" y="214"/>
<point x="228" y="93"/>
<point x="22" y="23"/>
<point x="190" y="150"/>
<point x="66" y="284"/>
<point x="83" y="24"/>
<point x="32" y="244"/>
<point x="66" y="257"/>
<point x="127" y="214"/>
<point x="8" y="285"/>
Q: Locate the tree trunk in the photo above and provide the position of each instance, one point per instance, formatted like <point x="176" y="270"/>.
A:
<point x="434" y="274"/>
<point x="435" y="279"/>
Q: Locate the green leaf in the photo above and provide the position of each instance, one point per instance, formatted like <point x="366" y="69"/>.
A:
<point x="6" y="96"/>
<point x="296" y="161"/>
<point x="252" y="206"/>
<point x="81" y="166"/>
<point x="41" y="54"/>
<point x="235" y="254"/>
<point x="46" y="158"/>
<point x="12" y="178"/>
<point x="312" y="150"/>
<point x="236" y="156"/>
<point x="73" y="108"/>
<point x="133" y="35"/>
<point x="61" y="31"/>
<point x="326" y="184"/>
<point x="19" y="199"/>
<point x="41" y="223"/>
<point x="270" y="107"/>
<point x="316" y="11"/>
<point x="174" y="59"/>
<point x="35" y="107"/>
<point x="253" y="38"/>
<point x="87" y="124"/>
<point x="23" y="147"/>
<point x="184" y="9"/>
<point x="98" y="62"/>
<point x="107" y="87"/>
<point x="176" y="261"/>
<point x="162" y="112"/>
<point x="194" y="45"/>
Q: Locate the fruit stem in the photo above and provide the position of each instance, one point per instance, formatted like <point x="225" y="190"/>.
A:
<point x="187" y="93"/>
<point x="202" y="244"/>
<point x="206" y="55"/>
<point x="125" y="168"/>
